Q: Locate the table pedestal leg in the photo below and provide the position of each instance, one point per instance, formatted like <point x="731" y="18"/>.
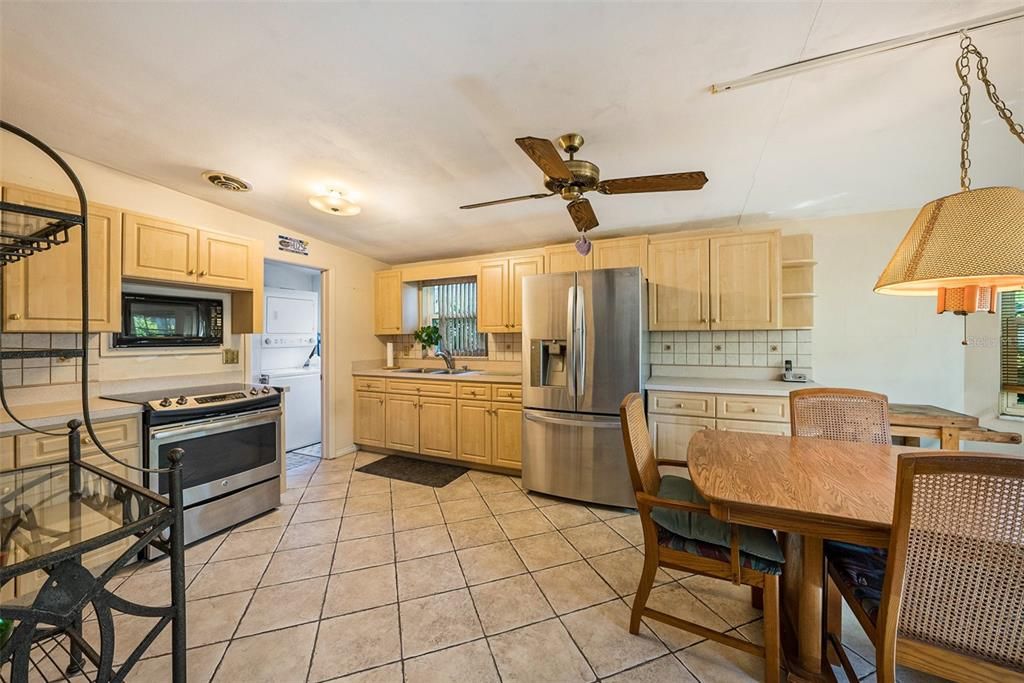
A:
<point x="803" y="598"/>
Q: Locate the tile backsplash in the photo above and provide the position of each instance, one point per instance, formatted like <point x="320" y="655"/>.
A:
<point x="747" y="348"/>
<point x="31" y="372"/>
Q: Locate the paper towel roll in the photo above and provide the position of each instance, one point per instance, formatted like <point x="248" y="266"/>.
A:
<point x="391" y="355"/>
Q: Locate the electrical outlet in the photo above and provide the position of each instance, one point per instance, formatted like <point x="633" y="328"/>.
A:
<point x="230" y="356"/>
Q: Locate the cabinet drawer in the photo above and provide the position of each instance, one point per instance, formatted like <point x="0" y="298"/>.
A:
<point x="763" y="408"/>
<point x="369" y="383"/>
<point x="508" y="393"/>
<point x="404" y="386"/>
<point x="40" y="449"/>
<point x="780" y="428"/>
<point x="678" y="403"/>
<point x="477" y="392"/>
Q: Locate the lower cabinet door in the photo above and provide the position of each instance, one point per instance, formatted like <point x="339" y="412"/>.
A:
<point x="403" y="423"/>
<point x="475" y="431"/>
<point x="671" y="434"/>
<point x="508" y="436"/>
<point x="438" y="431"/>
<point x="369" y="426"/>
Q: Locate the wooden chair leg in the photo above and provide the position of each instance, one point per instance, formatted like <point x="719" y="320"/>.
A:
<point x="756" y="597"/>
<point x="834" y="619"/>
<point x="643" y="591"/>
<point x="772" y="626"/>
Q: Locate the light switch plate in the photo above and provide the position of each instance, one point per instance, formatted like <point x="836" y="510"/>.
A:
<point x="230" y="356"/>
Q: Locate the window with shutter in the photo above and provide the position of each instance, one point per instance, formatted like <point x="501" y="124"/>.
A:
<point x="1011" y="364"/>
<point x="451" y="306"/>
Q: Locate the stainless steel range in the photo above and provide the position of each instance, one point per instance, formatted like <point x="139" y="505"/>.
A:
<point x="232" y="438"/>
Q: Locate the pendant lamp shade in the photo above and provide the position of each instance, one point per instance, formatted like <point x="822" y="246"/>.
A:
<point x="974" y="238"/>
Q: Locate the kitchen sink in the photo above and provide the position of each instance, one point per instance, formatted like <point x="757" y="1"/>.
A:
<point x="419" y="371"/>
<point x="436" y="371"/>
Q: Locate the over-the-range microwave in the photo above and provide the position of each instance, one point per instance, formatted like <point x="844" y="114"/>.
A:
<point x="156" y="320"/>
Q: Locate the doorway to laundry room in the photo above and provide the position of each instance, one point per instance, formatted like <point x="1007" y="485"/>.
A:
<point x="289" y="355"/>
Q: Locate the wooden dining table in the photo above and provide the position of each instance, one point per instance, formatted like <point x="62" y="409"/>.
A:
<point x="810" y="490"/>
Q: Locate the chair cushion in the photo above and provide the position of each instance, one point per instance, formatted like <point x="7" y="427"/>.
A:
<point x="862" y="568"/>
<point x="716" y="552"/>
<point x="704" y="528"/>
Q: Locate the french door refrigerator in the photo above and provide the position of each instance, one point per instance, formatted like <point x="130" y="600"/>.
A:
<point x="584" y="349"/>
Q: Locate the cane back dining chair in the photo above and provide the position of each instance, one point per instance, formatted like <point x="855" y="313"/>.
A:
<point x="947" y="597"/>
<point x="668" y="505"/>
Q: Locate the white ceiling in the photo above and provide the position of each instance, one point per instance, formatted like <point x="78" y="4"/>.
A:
<point x="415" y="107"/>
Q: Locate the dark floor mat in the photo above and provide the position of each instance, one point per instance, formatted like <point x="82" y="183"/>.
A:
<point x="414" y="471"/>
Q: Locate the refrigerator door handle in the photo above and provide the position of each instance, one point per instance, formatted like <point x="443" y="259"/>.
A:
<point x="550" y="419"/>
<point x="581" y="351"/>
<point x="570" y="339"/>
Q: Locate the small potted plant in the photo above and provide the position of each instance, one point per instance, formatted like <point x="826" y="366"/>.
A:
<point x="428" y="336"/>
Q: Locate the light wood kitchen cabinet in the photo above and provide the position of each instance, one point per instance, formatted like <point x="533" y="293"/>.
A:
<point x="622" y="252"/>
<point x="499" y="292"/>
<point x="29" y="285"/>
<point x="403" y="423"/>
<point x="156" y="249"/>
<point x="490" y="432"/>
<point x="438" y="427"/>
<point x="226" y="261"/>
<point x="396" y="305"/>
<point x="753" y="426"/>
<point x="507" y="423"/>
<point x="369" y="421"/>
<point x="6" y="453"/>
<point x="745" y="272"/>
<point x="475" y="431"/>
<point x="671" y="434"/>
<point x="563" y="258"/>
<point x="679" y="296"/>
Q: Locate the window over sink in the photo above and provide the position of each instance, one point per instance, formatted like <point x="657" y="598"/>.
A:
<point x="1011" y="352"/>
<point x="451" y="306"/>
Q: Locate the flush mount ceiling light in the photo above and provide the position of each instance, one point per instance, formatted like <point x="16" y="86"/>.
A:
<point x="966" y="247"/>
<point x="334" y="203"/>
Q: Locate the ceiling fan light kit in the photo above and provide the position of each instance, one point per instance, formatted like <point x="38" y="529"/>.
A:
<point x="334" y="203"/>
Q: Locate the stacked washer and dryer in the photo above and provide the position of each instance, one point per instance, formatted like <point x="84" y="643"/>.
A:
<point x="289" y="357"/>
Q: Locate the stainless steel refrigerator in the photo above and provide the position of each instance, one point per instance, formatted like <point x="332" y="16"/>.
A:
<point x="584" y="349"/>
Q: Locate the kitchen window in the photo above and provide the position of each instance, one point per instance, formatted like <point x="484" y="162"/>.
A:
<point x="451" y="306"/>
<point x="1011" y="364"/>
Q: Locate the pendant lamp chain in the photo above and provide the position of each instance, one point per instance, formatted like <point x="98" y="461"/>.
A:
<point x="963" y="68"/>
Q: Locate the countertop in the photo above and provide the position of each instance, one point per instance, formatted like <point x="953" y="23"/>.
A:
<point x="471" y="376"/>
<point x="60" y="412"/>
<point x="705" y="385"/>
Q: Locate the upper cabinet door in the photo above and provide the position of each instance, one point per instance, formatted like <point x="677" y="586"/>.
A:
<point x="43" y="293"/>
<point x="624" y="252"/>
<point x="492" y="296"/>
<point x="159" y="250"/>
<point x="564" y="258"/>
<point x="518" y="268"/>
<point x="678" y="294"/>
<point x="395" y="304"/>
<point x="226" y="261"/>
<point x="745" y="273"/>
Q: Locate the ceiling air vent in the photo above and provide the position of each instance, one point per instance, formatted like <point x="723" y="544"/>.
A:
<point x="226" y="181"/>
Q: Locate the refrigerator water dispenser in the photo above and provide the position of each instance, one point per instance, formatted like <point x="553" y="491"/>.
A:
<point x="549" y="362"/>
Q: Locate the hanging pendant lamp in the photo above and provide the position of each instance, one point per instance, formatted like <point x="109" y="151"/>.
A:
<point x="966" y="247"/>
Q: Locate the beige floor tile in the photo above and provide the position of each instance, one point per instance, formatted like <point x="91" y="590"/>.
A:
<point x="438" y="621"/>
<point x="673" y="599"/>
<point x="210" y="620"/>
<point x="604" y="512"/>
<point x="130" y="632"/>
<point x="268" y="657"/>
<point x="490" y="562"/>
<point x="524" y="523"/>
<point x="471" y="662"/>
<point x="314" y="512"/>
<point x="328" y="477"/>
<point x="292" y="496"/>
<point x="248" y="543"/>
<point x="367" y="485"/>
<point x="364" y="458"/>
<point x="361" y="526"/>
<point x="431" y="540"/>
<point x="545" y="550"/>
<point x="459" y="489"/>
<point x="154" y="588"/>
<point x="713" y="662"/>
<point x="389" y="673"/>
<point x="361" y="505"/>
<point x="540" y="652"/>
<point x="464" y="508"/>
<point x="661" y="670"/>
<point x="360" y="589"/>
<point x="277" y="517"/>
<point x="364" y="552"/>
<point x="316" y="494"/>
<point x="200" y="553"/>
<point x="854" y="638"/>
<point x="622" y="570"/>
<point x="355" y="642"/>
<point x="629" y="527"/>
<point x="510" y="603"/>
<point x="417" y="517"/>
<point x="201" y="663"/>
<point x="429" y="575"/>
<point x="565" y="515"/>
<point x="230" y="576"/>
<point x="474" y="532"/>
<point x="602" y="633"/>
<point x="594" y="539"/>
<point x="511" y="501"/>
<point x="729" y="601"/>
<point x="294" y="480"/>
<point x="301" y="563"/>
<point x="488" y="484"/>
<point x="412" y="496"/>
<point x="573" y="586"/>
<point x="311" y="533"/>
<point x="541" y="500"/>
<point x="284" y="605"/>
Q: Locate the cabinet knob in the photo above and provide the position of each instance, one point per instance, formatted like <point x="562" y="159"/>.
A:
<point x="15" y="316"/>
<point x="753" y="410"/>
<point x="86" y="439"/>
<point x="381" y="401"/>
<point x="202" y="273"/>
<point x="191" y="271"/>
<point x="703" y="320"/>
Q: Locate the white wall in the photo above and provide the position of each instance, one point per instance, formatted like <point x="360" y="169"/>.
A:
<point x="981" y="374"/>
<point x="287" y="276"/>
<point x="351" y="335"/>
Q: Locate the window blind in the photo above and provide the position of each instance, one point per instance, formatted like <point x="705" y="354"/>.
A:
<point x="1011" y="316"/>
<point x="455" y="317"/>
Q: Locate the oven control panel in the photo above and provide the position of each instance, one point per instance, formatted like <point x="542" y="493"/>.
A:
<point x="209" y="401"/>
<point x="217" y="398"/>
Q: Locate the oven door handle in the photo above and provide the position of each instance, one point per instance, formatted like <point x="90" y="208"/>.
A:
<point x="216" y="425"/>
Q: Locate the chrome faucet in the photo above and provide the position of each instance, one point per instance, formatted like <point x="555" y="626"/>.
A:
<point x="446" y="356"/>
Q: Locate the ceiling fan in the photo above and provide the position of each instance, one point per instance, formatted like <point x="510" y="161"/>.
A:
<point x="574" y="177"/>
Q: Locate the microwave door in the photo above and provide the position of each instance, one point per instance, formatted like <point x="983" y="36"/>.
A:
<point x="549" y="352"/>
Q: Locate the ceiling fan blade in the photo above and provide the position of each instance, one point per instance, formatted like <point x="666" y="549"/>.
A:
<point x="582" y="214"/>
<point x="506" y="200"/>
<point x="668" y="182"/>
<point x="544" y="154"/>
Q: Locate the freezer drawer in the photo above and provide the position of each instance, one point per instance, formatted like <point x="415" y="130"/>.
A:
<point x="576" y="456"/>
